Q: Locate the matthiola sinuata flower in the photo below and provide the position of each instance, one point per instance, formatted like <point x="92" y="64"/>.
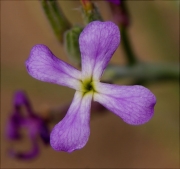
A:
<point x="34" y="124"/>
<point x="98" y="41"/>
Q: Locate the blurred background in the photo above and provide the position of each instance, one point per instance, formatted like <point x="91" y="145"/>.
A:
<point x="154" y="32"/>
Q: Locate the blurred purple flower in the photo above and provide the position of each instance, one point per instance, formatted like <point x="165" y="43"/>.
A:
<point x="98" y="41"/>
<point x="117" y="2"/>
<point x="34" y="125"/>
<point x="120" y="13"/>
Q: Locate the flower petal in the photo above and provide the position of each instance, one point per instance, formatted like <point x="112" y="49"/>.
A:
<point x="12" y="126"/>
<point x="44" y="133"/>
<point x="98" y="41"/>
<point x="73" y="131"/>
<point x="134" y="104"/>
<point x="20" y="100"/>
<point x="44" y="66"/>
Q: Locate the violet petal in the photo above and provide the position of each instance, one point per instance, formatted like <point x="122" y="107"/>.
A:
<point x="134" y="104"/>
<point x="73" y="131"/>
<point x="44" y="134"/>
<point x="21" y="99"/>
<point x="44" y="66"/>
<point x="98" y="41"/>
<point x="13" y="126"/>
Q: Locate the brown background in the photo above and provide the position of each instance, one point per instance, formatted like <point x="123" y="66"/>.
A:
<point x="113" y="144"/>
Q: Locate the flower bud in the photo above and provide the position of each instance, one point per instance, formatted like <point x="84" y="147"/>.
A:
<point x="72" y="45"/>
<point x="90" y="11"/>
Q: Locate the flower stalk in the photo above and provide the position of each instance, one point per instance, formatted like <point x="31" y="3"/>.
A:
<point x="139" y="71"/>
<point x="56" y="18"/>
<point x="130" y="55"/>
<point x="122" y="19"/>
<point x="144" y="72"/>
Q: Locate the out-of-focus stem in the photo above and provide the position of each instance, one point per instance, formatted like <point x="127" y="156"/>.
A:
<point x="144" y="72"/>
<point x="131" y="57"/>
<point x="65" y="24"/>
<point x="48" y="14"/>
<point x="56" y="114"/>
<point x="56" y="18"/>
<point x="122" y="19"/>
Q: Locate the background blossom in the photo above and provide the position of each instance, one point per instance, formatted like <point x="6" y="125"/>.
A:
<point x="34" y="125"/>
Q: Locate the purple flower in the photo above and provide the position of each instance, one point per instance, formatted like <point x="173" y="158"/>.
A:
<point x="34" y="124"/>
<point x="98" y="41"/>
<point x="117" y="2"/>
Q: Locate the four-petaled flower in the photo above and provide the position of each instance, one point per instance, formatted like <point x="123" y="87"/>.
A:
<point x="33" y="123"/>
<point x="98" y="41"/>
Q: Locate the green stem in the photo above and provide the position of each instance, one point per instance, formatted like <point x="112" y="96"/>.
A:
<point x="143" y="72"/>
<point x="60" y="15"/>
<point x="127" y="47"/>
<point x="56" y="18"/>
<point x="131" y="57"/>
<point x="122" y="19"/>
<point x="49" y="16"/>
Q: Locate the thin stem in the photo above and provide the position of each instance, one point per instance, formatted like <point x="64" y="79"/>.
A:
<point x="143" y="72"/>
<point x="49" y="16"/>
<point x="56" y="114"/>
<point x="56" y="18"/>
<point x="60" y="15"/>
<point x="122" y="19"/>
<point x="128" y="47"/>
<point x="131" y="57"/>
